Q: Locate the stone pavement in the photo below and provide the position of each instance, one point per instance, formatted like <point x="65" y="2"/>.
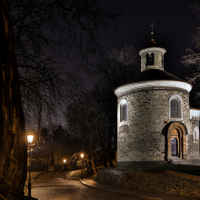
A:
<point x="128" y="192"/>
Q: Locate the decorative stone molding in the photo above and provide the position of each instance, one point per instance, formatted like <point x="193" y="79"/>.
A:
<point x="194" y="113"/>
<point x="124" y="89"/>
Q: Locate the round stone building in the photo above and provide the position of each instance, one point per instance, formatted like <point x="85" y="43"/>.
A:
<point x="154" y="116"/>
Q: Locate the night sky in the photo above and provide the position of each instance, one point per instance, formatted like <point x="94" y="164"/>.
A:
<point x="174" y="23"/>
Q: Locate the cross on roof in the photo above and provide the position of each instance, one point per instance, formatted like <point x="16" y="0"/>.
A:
<point x="152" y="31"/>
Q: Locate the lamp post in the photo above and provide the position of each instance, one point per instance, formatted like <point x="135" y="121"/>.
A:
<point x="82" y="155"/>
<point x="30" y="140"/>
<point x="64" y="160"/>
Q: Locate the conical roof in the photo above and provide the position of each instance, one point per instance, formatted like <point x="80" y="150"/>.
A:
<point x="152" y="43"/>
<point x="153" y="78"/>
<point x="155" y="74"/>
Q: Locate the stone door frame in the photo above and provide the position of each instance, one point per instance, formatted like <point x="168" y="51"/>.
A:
<point x="176" y="130"/>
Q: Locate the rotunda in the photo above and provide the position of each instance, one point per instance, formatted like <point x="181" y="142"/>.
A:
<point x="153" y="117"/>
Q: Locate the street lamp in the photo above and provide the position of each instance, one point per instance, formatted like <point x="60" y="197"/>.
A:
<point x="30" y="137"/>
<point x="64" y="160"/>
<point x="82" y="155"/>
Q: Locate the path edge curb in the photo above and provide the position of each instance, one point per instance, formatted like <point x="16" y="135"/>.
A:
<point x="123" y="193"/>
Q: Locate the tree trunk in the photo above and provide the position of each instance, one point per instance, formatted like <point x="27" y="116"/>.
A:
<point x="109" y="158"/>
<point x="12" y="135"/>
<point x="93" y="165"/>
<point x="104" y="159"/>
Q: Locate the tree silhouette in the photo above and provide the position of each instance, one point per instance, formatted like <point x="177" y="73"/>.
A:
<point x="191" y="61"/>
<point x="12" y="143"/>
<point x="92" y="115"/>
<point x="48" y="37"/>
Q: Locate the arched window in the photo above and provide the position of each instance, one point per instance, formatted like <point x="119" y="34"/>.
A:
<point x="175" y="107"/>
<point x="149" y="59"/>
<point x="123" y="110"/>
<point x="196" y="135"/>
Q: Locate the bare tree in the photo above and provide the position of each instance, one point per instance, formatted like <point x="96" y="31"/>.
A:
<point x="92" y="115"/>
<point x="48" y="36"/>
<point x="33" y="23"/>
<point x="191" y="61"/>
<point x="118" y="67"/>
<point x="81" y="119"/>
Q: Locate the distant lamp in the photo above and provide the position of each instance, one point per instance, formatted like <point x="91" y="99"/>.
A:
<point x="64" y="160"/>
<point x="82" y="155"/>
<point x="30" y="138"/>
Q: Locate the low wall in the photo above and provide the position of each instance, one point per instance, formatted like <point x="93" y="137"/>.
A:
<point x="154" y="181"/>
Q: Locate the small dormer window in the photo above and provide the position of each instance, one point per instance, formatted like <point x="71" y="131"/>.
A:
<point x="149" y="59"/>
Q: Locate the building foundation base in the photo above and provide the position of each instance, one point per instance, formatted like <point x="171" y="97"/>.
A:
<point x="139" y="163"/>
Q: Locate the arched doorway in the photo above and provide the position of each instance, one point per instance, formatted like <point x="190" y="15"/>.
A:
<point x="175" y="138"/>
<point x="174" y="146"/>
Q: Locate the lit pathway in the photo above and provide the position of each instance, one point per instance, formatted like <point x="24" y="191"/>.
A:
<point x="66" y="189"/>
<point x="53" y="186"/>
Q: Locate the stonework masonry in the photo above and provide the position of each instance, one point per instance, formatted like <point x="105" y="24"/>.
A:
<point x="141" y="137"/>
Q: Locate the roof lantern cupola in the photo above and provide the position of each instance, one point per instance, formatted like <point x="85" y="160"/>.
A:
<point x="152" y="57"/>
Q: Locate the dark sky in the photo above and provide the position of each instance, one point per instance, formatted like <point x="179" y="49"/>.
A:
<point x="174" y="23"/>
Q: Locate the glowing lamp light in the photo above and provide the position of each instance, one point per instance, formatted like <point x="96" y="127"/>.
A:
<point x="30" y="138"/>
<point x="64" y="160"/>
<point x="82" y="155"/>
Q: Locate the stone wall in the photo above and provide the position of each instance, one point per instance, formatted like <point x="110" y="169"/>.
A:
<point x="141" y="137"/>
<point x="193" y="145"/>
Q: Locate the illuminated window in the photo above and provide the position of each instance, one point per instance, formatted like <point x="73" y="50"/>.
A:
<point x="196" y="135"/>
<point x="175" y="107"/>
<point x="123" y="110"/>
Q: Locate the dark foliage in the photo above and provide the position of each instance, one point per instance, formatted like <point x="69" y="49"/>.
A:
<point x="92" y="115"/>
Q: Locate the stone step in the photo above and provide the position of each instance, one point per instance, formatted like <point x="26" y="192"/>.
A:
<point x="177" y="160"/>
